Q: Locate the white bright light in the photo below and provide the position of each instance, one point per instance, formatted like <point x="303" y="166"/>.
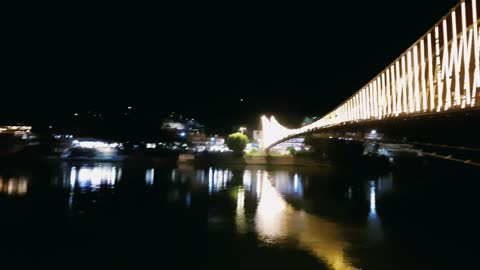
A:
<point x="151" y="145"/>
<point x="93" y="177"/>
<point x="106" y="150"/>
<point x="90" y="144"/>
<point x="295" y="182"/>
<point x="373" y="132"/>
<point x="373" y="199"/>
<point x="99" y="145"/>
<point x="149" y="176"/>
<point x="271" y="210"/>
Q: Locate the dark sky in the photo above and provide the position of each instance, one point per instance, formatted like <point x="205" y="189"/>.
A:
<point x="289" y="59"/>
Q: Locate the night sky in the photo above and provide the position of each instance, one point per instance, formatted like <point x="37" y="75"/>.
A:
<point x="288" y="59"/>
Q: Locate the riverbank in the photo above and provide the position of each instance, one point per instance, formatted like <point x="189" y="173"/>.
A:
<point x="364" y="162"/>
<point x="224" y="159"/>
<point x="202" y="160"/>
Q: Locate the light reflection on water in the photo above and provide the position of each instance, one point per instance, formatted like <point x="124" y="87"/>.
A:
<point x="240" y="219"/>
<point x="90" y="177"/>
<point x="275" y="221"/>
<point x="14" y="186"/>
<point x="377" y="188"/>
<point x="93" y="176"/>
<point x="218" y="179"/>
<point x="149" y="176"/>
<point x="272" y="213"/>
<point x="287" y="216"/>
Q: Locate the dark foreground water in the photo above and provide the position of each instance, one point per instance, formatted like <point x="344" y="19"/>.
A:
<point x="144" y="216"/>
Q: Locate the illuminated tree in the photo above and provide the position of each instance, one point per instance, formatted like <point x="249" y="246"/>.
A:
<point x="237" y="142"/>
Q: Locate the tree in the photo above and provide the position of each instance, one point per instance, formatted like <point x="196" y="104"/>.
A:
<point x="237" y="142"/>
<point x="292" y="150"/>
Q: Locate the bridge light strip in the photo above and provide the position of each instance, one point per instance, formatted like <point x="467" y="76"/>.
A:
<point x="476" y="44"/>
<point x="438" y="69"/>
<point x="383" y="96"/>
<point x="388" y="100"/>
<point x="454" y="60"/>
<point x="423" y="83"/>
<point x="403" y="85"/>
<point x="430" y="73"/>
<point x="466" y="86"/>
<point x="416" y="81"/>
<point x="410" y="72"/>
<point x="446" y="68"/>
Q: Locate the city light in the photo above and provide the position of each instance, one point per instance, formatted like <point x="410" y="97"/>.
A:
<point x="150" y="145"/>
<point x="14" y="185"/>
<point x="149" y="176"/>
<point x="90" y="144"/>
<point x="373" y="208"/>
<point x="93" y="177"/>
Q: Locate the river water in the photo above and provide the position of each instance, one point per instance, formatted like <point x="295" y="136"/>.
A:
<point x="147" y="216"/>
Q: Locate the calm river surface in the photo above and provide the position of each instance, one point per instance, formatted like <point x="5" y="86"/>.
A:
<point x="146" y="216"/>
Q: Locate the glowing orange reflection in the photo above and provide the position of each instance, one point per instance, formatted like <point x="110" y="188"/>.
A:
<point x="276" y="221"/>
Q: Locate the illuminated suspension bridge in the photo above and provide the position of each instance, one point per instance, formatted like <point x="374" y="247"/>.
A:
<point x="437" y="74"/>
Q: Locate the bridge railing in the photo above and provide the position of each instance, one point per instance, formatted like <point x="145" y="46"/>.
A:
<point x="440" y="72"/>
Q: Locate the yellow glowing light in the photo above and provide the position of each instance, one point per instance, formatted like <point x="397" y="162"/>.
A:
<point x="14" y="186"/>
<point x="276" y="220"/>
<point x="430" y="73"/>
<point x="410" y="83"/>
<point x="422" y="76"/>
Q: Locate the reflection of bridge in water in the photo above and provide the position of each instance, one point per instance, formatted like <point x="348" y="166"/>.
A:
<point x="272" y="217"/>
<point x="265" y="201"/>
<point x="276" y="221"/>
<point x="437" y="75"/>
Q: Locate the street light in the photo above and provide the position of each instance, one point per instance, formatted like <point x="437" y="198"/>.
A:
<point x="242" y="129"/>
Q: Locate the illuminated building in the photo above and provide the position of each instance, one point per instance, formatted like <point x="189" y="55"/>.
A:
<point x="89" y="148"/>
<point x="216" y="144"/>
<point x="198" y="140"/>
<point x="13" y="139"/>
<point x="18" y="131"/>
<point x="182" y="124"/>
<point x="296" y="143"/>
<point x="170" y="124"/>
